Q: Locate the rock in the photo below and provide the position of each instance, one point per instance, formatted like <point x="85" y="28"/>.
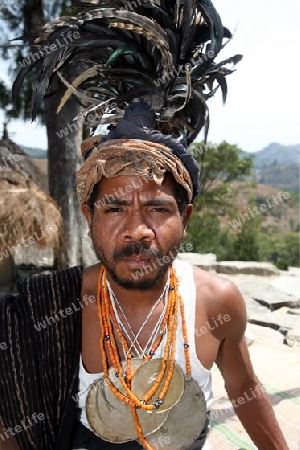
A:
<point x="254" y="308"/>
<point x="252" y="288"/>
<point x="295" y="311"/>
<point x="277" y="321"/>
<point x="292" y="338"/>
<point x="264" y="333"/>
<point x="294" y="271"/>
<point x="286" y="322"/>
<point x="288" y="285"/>
<point x="34" y="256"/>
<point x="282" y="310"/>
<point x="205" y="261"/>
<point x="274" y="298"/>
<point x="248" y="336"/>
<point x="246" y="267"/>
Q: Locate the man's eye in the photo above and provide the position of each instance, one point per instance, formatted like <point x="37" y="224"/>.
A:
<point x="114" y="209"/>
<point x="160" y="209"/>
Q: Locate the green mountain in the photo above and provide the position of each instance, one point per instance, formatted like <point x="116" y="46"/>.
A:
<point x="277" y="153"/>
<point x="278" y="166"/>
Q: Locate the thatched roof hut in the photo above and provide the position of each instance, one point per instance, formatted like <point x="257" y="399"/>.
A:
<point x="28" y="216"/>
<point x="13" y="156"/>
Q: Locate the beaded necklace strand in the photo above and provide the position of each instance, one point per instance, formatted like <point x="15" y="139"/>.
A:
<point x="109" y="350"/>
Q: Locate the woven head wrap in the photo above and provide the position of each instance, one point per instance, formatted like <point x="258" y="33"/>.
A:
<point x="133" y="148"/>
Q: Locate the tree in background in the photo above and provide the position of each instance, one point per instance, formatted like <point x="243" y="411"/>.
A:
<point x="220" y="166"/>
<point x="23" y="21"/>
<point x="246" y="247"/>
<point x="246" y="241"/>
<point x="282" y="249"/>
<point x="203" y="233"/>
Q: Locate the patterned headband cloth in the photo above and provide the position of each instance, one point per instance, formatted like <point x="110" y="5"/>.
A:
<point x="130" y="157"/>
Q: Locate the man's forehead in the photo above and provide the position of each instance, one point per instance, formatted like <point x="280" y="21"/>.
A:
<point x="129" y="185"/>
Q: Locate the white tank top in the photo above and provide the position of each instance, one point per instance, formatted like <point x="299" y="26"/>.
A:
<point x="184" y="272"/>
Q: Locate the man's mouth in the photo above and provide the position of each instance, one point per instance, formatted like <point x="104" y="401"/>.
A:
<point x="137" y="261"/>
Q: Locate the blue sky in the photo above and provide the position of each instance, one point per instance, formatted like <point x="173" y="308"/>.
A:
<point x="264" y="94"/>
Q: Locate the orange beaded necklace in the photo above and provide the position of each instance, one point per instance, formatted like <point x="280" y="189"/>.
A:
<point x="109" y="351"/>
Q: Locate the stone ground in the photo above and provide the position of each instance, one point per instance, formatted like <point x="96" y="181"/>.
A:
<point x="278" y="368"/>
<point x="274" y="346"/>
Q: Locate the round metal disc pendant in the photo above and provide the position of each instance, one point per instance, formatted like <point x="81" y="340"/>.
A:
<point x="94" y="419"/>
<point x="145" y="377"/>
<point x="110" y="418"/>
<point x="185" y="421"/>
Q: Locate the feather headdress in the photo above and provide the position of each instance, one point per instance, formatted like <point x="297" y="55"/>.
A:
<point x="159" y="52"/>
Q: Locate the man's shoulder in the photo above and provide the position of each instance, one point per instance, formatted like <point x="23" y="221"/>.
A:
<point x="212" y="281"/>
<point x="217" y="290"/>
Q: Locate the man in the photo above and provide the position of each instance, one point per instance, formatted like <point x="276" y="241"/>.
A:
<point x="150" y="215"/>
<point x="118" y="355"/>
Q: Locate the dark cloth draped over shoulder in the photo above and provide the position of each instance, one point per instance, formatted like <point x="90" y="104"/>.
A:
<point x="39" y="365"/>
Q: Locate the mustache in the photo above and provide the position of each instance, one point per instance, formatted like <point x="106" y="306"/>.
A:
<point x="137" y="249"/>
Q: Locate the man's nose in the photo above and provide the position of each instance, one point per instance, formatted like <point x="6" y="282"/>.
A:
<point x="137" y="228"/>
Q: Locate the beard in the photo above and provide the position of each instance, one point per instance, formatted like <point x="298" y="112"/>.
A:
<point x="140" y="280"/>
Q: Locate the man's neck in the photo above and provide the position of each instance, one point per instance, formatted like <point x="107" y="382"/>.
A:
<point x="137" y="300"/>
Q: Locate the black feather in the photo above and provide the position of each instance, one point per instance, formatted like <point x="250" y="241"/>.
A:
<point x="159" y="51"/>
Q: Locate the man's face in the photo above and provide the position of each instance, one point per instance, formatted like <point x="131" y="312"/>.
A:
<point x="136" y="229"/>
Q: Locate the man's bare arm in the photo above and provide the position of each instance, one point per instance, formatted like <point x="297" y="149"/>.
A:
<point x="245" y="391"/>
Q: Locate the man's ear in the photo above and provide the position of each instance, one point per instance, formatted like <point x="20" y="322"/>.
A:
<point x="88" y="214"/>
<point x="186" y="217"/>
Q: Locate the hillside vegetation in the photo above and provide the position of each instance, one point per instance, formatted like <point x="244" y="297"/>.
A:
<point x="243" y="220"/>
<point x="277" y="166"/>
<point x="281" y="176"/>
<point x="281" y="214"/>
